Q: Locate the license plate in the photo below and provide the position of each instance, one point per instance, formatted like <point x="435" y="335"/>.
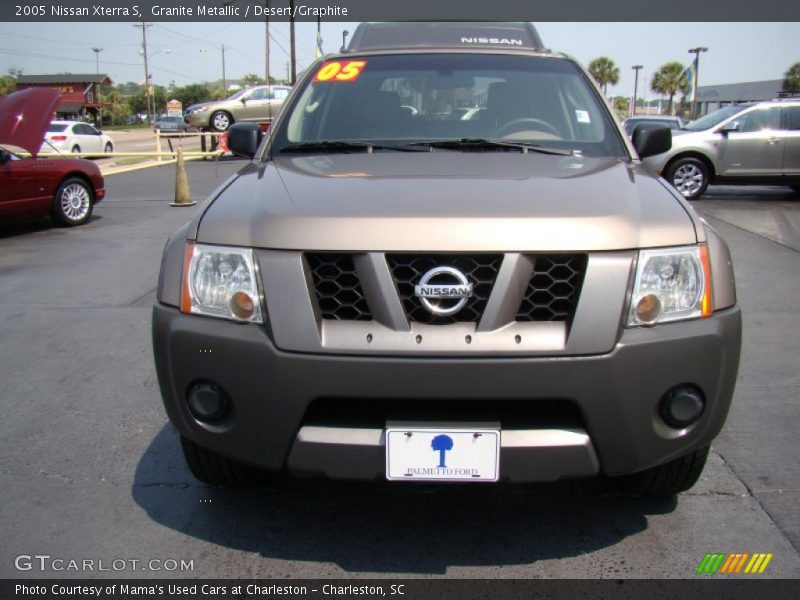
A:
<point x="435" y="453"/>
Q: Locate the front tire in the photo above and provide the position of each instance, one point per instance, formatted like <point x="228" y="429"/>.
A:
<point x="689" y="176"/>
<point x="668" y="479"/>
<point x="214" y="469"/>
<point x="220" y="121"/>
<point x="76" y="149"/>
<point x="73" y="202"/>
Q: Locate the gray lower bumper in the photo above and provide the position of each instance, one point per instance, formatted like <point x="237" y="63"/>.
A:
<point x="525" y="454"/>
<point x="616" y="394"/>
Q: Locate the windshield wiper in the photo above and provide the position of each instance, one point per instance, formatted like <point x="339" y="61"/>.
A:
<point x="344" y="146"/>
<point x="484" y="144"/>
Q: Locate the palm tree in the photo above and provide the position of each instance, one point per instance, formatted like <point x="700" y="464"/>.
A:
<point x="791" y="82"/>
<point x="668" y="80"/>
<point x="441" y="444"/>
<point x="604" y="72"/>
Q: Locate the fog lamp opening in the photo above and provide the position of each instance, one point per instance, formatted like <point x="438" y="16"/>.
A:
<point x="207" y="402"/>
<point x="682" y="406"/>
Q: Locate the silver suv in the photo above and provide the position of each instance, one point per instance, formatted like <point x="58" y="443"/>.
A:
<point x="746" y="144"/>
<point x="392" y="294"/>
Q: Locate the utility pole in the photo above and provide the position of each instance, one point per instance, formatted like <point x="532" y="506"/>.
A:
<point x="291" y="40"/>
<point x="144" y="27"/>
<point x="635" y="88"/>
<point x="224" y="81"/>
<point x="287" y="71"/>
<point x="696" y="52"/>
<point x="266" y="42"/>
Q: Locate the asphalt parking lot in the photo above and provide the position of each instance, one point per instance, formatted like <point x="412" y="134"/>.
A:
<point x="90" y="468"/>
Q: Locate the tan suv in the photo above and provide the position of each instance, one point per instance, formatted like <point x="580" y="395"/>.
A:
<point x="259" y="103"/>
<point x="746" y="144"/>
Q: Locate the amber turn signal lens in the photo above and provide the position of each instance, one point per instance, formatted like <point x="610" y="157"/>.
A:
<point x="648" y="309"/>
<point x="242" y="305"/>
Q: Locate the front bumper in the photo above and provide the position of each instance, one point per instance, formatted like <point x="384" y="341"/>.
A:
<point x="616" y="394"/>
<point x="199" y="119"/>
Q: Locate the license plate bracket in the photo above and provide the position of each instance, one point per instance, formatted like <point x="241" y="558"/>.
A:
<point x="465" y="452"/>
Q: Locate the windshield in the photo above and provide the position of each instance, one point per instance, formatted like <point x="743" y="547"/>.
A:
<point x="415" y="98"/>
<point x="237" y="95"/>
<point x="714" y="118"/>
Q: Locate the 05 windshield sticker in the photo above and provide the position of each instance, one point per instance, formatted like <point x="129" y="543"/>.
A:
<point x="340" y="70"/>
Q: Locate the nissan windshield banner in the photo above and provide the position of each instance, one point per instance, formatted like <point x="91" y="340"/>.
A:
<point x="398" y="10"/>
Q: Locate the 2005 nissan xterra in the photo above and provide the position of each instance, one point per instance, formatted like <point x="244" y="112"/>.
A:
<point x="446" y="263"/>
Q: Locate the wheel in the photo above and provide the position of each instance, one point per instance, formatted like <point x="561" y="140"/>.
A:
<point x="671" y="478"/>
<point x="220" y="121"/>
<point x="214" y="469"/>
<point x="526" y="123"/>
<point x="76" y="149"/>
<point x="73" y="202"/>
<point x="109" y="148"/>
<point x="689" y="176"/>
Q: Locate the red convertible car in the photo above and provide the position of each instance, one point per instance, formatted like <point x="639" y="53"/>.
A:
<point x="65" y="188"/>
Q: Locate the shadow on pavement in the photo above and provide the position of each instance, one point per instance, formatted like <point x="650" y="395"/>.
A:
<point x="377" y="528"/>
<point x="31" y="225"/>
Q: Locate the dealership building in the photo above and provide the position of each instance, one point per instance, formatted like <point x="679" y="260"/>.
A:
<point x="712" y="97"/>
<point x="79" y="93"/>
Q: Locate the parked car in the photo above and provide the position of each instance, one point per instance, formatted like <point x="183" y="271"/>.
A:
<point x="259" y="103"/>
<point x="396" y="296"/>
<point x="75" y="137"/>
<point x="673" y="123"/>
<point x="746" y="144"/>
<point x="65" y="188"/>
<point x="167" y="125"/>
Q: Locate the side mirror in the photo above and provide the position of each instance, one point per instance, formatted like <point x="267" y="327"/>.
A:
<point x="244" y="139"/>
<point x="650" y="139"/>
<point x="729" y="127"/>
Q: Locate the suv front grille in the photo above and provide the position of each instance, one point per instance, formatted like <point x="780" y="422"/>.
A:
<point x="553" y="291"/>
<point x="337" y="287"/>
<point x="480" y="269"/>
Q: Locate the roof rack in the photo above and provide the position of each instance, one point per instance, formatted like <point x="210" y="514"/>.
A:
<point x="445" y="34"/>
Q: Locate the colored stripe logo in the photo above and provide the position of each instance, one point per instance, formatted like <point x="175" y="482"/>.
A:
<point x="737" y="563"/>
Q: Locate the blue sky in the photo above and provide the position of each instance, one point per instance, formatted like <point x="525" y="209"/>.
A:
<point x="189" y="52"/>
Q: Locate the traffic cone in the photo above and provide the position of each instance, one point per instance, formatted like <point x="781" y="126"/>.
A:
<point x="182" y="195"/>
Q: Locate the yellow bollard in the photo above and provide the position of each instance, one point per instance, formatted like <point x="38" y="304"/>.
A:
<point x="182" y="195"/>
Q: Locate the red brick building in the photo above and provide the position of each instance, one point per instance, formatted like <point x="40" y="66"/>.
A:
<point x="79" y="92"/>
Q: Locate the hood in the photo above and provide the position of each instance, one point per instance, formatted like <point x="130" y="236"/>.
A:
<point x="446" y="201"/>
<point x="196" y="106"/>
<point x="25" y="115"/>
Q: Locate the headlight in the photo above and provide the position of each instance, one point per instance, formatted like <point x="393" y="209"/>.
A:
<point x="671" y="284"/>
<point x="221" y="282"/>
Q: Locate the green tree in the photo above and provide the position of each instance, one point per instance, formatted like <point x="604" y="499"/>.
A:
<point x="191" y="94"/>
<point x="669" y="80"/>
<point x="7" y="84"/>
<point x="604" y="71"/>
<point x="621" y="106"/>
<point x="138" y="102"/>
<point x="791" y="81"/>
<point x="119" y="109"/>
<point x="252" y="79"/>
